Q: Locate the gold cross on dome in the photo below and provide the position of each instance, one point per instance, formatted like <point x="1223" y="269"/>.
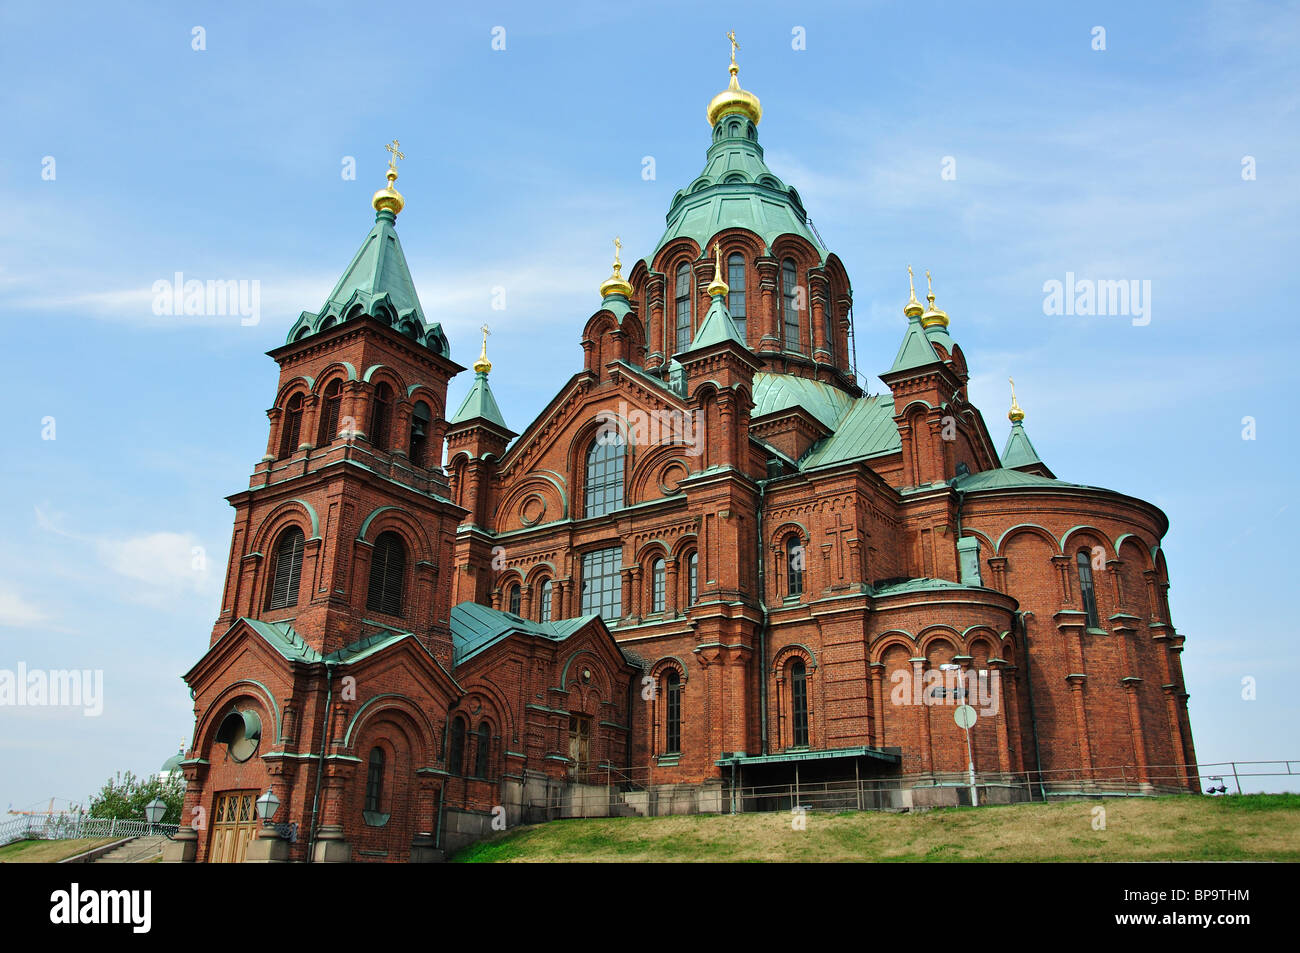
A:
<point x="618" y="246"/>
<point x="486" y="332"/>
<point x="392" y="147"/>
<point x="731" y="35"/>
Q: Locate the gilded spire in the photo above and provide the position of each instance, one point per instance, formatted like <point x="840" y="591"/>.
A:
<point x="389" y="198"/>
<point x="1015" y="414"/>
<point x="733" y="99"/>
<point x="615" y="284"/>
<point x="483" y="365"/>
<point x="933" y="317"/>
<point x="717" y="286"/>
<point x="913" y="307"/>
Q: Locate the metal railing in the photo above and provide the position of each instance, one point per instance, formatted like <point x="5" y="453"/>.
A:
<point x="67" y="826"/>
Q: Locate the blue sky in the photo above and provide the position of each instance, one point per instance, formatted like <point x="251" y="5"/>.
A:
<point x="225" y="163"/>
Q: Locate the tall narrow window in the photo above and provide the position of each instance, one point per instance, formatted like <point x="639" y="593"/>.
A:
<point x="683" y="307"/>
<point x="419" y="442"/>
<point x="288" y="570"/>
<point x="387" y="569"/>
<point x="603" y="492"/>
<point x="544" y="615"/>
<point x="456" y="749"/>
<point x="481" y="749"/>
<point x="736" y="299"/>
<point x="514" y="599"/>
<point x="1086" y="589"/>
<point x="657" y="586"/>
<point x="692" y="579"/>
<point x="602" y="584"/>
<point x="329" y="418"/>
<point x="830" y="330"/>
<point x="381" y="417"/>
<point x="673" y="706"/>
<point x="794" y="566"/>
<point x="799" y="703"/>
<point x="375" y="780"/>
<point x="291" y="432"/>
<point x="790" y="300"/>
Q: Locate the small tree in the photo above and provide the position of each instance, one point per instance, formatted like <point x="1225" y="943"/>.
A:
<point x="124" y="797"/>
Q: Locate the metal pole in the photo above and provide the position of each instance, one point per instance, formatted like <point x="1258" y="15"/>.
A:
<point x="1235" y="778"/>
<point x="970" y="758"/>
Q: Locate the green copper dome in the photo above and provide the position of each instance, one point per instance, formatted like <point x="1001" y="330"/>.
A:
<point x="736" y="190"/>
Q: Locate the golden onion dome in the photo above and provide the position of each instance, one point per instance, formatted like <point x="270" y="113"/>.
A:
<point x="913" y="307"/>
<point x="616" y="284"/>
<point x="389" y="198"/>
<point x="1015" y="414"/>
<point x="733" y="99"/>
<point x="933" y="317"/>
<point x="717" y="287"/>
<point x="483" y="365"/>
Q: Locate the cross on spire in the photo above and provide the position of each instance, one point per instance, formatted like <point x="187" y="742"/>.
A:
<point x="731" y="35"/>
<point x="392" y="147"/>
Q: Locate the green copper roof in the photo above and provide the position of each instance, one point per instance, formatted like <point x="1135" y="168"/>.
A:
<point x="773" y="392"/>
<point x="1019" y="452"/>
<point x="479" y="404"/>
<point x="475" y="628"/>
<point x="736" y="189"/>
<point x="717" y="326"/>
<point x="867" y="430"/>
<point x="916" y="349"/>
<point x="921" y="585"/>
<point x="1003" y="478"/>
<point x="377" y="283"/>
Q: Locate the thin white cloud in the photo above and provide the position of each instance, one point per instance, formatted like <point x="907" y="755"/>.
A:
<point x="16" y="612"/>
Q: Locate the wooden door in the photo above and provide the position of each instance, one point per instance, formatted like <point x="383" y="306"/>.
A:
<point x="579" y="743"/>
<point x="234" y="824"/>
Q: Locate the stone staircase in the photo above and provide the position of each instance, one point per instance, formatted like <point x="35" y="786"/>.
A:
<point x="138" y="850"/>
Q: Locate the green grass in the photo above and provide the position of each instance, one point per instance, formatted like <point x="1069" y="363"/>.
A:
<point x="1188" y="827"/>
<point x="49" y="851"/>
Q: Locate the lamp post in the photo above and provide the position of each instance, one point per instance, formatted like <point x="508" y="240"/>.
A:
<point x="965" y="717"/>
<point x="154" y="811"/>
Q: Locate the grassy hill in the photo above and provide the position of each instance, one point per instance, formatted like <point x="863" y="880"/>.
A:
<point x="49" y="851"/>
<point x="1247" y="827"/>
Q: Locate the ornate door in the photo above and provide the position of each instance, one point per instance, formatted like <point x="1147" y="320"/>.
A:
<point x="234" y="824"/>
<point x="579" y="743"/>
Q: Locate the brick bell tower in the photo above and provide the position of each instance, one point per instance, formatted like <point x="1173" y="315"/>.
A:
<point x="352" y="474"/>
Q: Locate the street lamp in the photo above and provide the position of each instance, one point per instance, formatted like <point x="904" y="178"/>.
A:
<point x="267" y="805"/>
<point x="154" y="811"/>
<point x="965" y="717"/>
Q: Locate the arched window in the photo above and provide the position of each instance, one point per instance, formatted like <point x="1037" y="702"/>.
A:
<point x="544" y="610"/>
<point x="419" y="442"/>
<point x="514" y="599"/>
<point x="329" y="418"/>
<point x="657" y="586"/>
<point x="381" y="417"/>
<point x="672" y="712"/>
<point x="692" y="578"/>
<point x="291" y="431"/>
<point x="799" y="703"/>
<point x="456" y="748"/>
<point x="387" y="570"/>
<point x="481" y="748"/>
<point x="1086" y="589"/>
<point x="736" y="298"/>
<point x="603" y="490"/>
<point x="790" y="299"/>
<point x="683" y="295"/>
<point x="794" y="561"/>
<point x="375" y="780"/>
<point x="287" y="571"/>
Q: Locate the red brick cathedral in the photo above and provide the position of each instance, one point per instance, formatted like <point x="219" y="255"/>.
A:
<point x="712" y="574"/>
